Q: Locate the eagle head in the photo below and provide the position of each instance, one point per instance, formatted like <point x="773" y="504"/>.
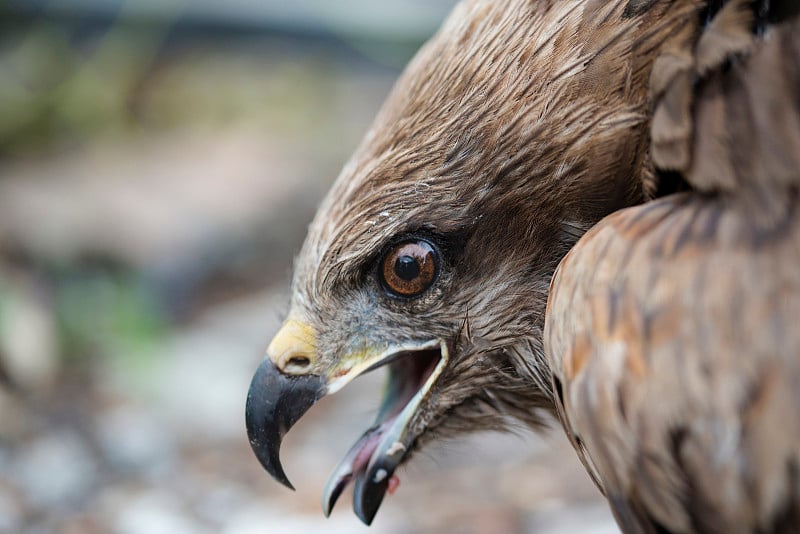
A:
<point x="517" y="127"/>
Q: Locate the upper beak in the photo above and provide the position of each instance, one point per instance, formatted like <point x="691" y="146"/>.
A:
<point x="280" y="394"/>
<point x="275" y="402"/>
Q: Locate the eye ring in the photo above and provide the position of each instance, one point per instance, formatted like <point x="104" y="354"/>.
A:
<point x="409" y="268"/>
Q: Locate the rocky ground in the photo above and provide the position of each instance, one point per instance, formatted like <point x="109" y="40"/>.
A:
<point x="142" y="275"/>
<point x="164" y="450"/>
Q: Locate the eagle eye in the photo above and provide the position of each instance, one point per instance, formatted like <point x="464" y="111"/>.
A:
<point x="409" y="268"/>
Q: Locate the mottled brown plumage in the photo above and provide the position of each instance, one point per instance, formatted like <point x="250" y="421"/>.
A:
<point x="671" y="330"/>
<point x="519" y="126"/>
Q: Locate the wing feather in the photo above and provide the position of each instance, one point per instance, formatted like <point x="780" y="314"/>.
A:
<point x="671" y="332"/>
<point x="671" y="327"/>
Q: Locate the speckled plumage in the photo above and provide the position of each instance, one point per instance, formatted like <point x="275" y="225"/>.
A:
<point x="671" y="328"/>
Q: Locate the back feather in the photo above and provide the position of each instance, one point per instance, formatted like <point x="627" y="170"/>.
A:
<point x="727" y="114"/>
<point x="669" y="326"/>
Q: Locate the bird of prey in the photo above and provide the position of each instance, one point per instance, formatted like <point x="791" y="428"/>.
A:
<point x="661" y="136"/>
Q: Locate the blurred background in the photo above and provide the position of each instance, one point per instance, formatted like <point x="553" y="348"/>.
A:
<point x="159" y="163"/>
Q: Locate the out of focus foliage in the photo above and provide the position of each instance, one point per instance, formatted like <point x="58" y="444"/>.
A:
<point x="71" y="70"/>
<point x="80" y="76"/>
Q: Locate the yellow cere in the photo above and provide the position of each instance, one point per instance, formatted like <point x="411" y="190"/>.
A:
<point x="294" y="347"/>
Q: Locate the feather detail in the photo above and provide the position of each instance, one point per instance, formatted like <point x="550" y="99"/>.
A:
<point x="747" y="120"/>
<point x="668" y="329"/>
<point x="669" y="332"/>
<point x="729" y="34"/>
<point x="716" y="119"/>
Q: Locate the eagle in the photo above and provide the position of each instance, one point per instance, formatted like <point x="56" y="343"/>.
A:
<point x="580" y="209"/>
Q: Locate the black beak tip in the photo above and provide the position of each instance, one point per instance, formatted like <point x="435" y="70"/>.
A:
<point x="369" y="492"/>
<point x="270" y="460"/>
<point x="329" y="498"/>
<point x="275" y="402"/>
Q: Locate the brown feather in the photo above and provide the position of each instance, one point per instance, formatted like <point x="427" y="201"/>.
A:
<point x="748" y="120"/>
<point x="687" y="402"/>
<point x="682" y="310"/>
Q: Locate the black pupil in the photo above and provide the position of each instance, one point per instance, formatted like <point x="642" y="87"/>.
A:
<point x="406" y="268"/>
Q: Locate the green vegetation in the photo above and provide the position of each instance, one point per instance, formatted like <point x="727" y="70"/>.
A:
<point x="108" y="313"/>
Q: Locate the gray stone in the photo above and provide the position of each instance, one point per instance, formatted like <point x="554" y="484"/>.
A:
<point x="56" y="470"/>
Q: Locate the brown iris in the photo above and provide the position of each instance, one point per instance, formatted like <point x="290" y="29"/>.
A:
<point x="409" y="268"/>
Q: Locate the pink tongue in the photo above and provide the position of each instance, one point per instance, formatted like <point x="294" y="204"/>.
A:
<point x="362" y="458"/>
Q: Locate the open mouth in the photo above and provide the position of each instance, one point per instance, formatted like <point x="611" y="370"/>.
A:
<point x="372" y="460"/>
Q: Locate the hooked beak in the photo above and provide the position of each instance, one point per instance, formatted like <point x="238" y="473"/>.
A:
<point x="278" y="397"/>
<point x="284" y="388"/>
<point x="275" y="402"/>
